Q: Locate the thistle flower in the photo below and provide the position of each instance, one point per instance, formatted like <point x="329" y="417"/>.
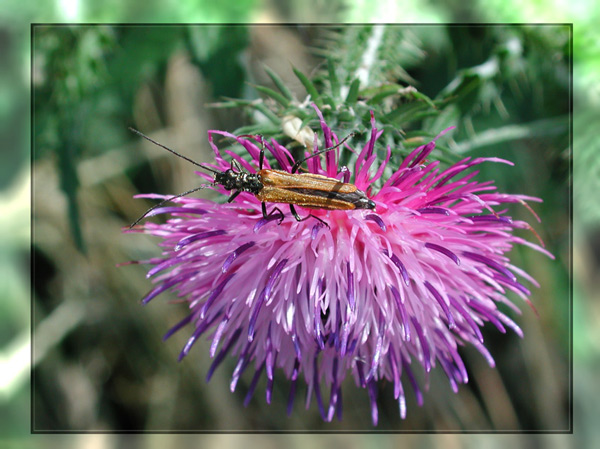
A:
<point x="372" y="295"/>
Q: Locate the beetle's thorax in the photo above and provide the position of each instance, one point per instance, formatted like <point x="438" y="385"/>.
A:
<point x="244" y="181"/>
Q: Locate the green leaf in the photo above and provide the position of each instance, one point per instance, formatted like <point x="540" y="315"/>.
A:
<point x="263" y="129"/>
<point x="306" y="121"/>
<point x="383" y="93"/>
<point x="406" y="113"/>
<point x="353" y="92"/>
<point x="546" y="127"/>
<point x="231" y="103"/>
<point x="266" y="112"/>
<point x="274" y="95"/>
<point x="308" y="85"/>
<point x="69" y="183"/>
<point x="420" y="96"/>
<point x="333" y="79"/>
<point x="448" y="116"/>
<point x="279" y="83"/>
<point x="460" y="87"/>
<point x="327" y="99"/>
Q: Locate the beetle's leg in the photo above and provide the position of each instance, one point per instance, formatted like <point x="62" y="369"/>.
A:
<point x="233" y="196"/>
<point x="297" y="217"/>
<point x="261" y="156"/>
<point x="235" y="164"/>
<point x="267" y="216"/>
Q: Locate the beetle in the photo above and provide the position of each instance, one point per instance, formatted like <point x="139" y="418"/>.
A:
<point x="308" y="190"/>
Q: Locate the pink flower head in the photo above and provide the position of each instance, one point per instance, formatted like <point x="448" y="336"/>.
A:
<point x="367" y="296"/>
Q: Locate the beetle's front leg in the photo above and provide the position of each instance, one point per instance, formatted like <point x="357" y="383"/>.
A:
<point x="269" y="215"/>
<point x="261" y="156"/>
<point x="233" y="196"/>
<point x="298" y="218"/>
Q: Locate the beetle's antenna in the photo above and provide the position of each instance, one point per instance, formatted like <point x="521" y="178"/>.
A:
<point x="300" y="162"/>
<point x="203" y="186"/>
<point x="174" y="152"/>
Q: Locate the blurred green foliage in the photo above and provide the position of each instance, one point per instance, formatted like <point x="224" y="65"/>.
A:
<point x="218" y="52"/>
<point x="85" y="80"/>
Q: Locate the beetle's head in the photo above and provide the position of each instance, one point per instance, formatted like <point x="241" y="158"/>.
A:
<point x="229" y="179"/>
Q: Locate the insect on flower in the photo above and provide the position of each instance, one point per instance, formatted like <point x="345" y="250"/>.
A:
<point x="308" y="190"/>
<point x="378" y="297"/>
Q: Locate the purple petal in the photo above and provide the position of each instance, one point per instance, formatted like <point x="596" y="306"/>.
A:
<point x="315" y="230"/>
<point x="291" y="397"/>
<point x="485" y="353"/>
<point x="445" y="251"/>
<point x="456" y="305"/>
<point x="195" y="237"/>
<point x="490" y="218"/>
<point x="222" y="353"/>
<point x="402" y="406"/>
<point x="489" y="315"/>
<point x="442" y="304"/>
<point x="178" y="326"/>
<point x="338" y="406"/>
<point x="333" y="397"/>
<point x="513" y="284"/>
<point x="403" y="314"/>
<point x="317" y="326"/>
<point x="218" y="334"/>
<point x="253" y="384"/>
<point x="316" y="385"/>
<point x="176" y="210"/>
<point x="359" y="370"/>
<point x="263" y="221"/>
<point x="163" y="265"/>
<point x="413" y="383"/>
<point x="490" y="263"/>
<point x="461" y="369"/>
<point x="269" y="389"/>
<point x="352" y="346"/>
<point x="372" y="389"/>
<point x="395" y="373"/>
<point x="378" y="347"/>
<point x="434" y="210"/>
<point x="424" y="344"/>
<point x="297" y="347"/>
<point x="242" y="364"/>
<point x="264" y="297"/>
<point x="350" y="292"/>
<point x="294" y="379"/>
<point x="274" y="276"/>
<point x="345" y="335"/>
<point x="216" y="292"/>
<point x="254" y="316"/>
<point x="377" y="219"/>
<point x="400" y="266"/>
<point x="234" y="255"/>
<point x="204" y="325"/>
<point x="510" y="323"/>
<point x="164" y="286"/>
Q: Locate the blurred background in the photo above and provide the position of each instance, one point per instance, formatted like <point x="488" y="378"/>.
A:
<point x="98" y="360"/>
